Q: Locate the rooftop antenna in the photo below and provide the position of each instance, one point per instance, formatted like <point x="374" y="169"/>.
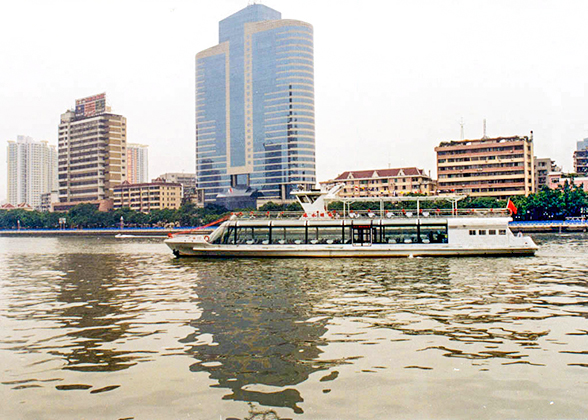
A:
<point x="461" y="132"/>
<point x="485" y="136"/>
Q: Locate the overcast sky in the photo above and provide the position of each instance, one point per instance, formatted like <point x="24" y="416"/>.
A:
<point x="392" y="78"/>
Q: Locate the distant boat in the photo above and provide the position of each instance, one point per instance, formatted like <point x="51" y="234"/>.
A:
<point x="322" y="233"/>
<point x="122" y="236"/>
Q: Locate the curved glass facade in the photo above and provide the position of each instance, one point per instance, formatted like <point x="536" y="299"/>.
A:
<point x="255" y="106"/>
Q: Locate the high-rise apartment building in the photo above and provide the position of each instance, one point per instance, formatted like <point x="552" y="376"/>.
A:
<point x="488" y="167"/>
<point x="92" y="151"/>
<point x="137" y="163"/>
<point x="32" y="170"/>
<point x="255" y="106"/>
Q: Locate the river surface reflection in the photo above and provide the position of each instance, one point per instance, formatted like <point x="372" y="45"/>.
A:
<point x="106" y="328"/>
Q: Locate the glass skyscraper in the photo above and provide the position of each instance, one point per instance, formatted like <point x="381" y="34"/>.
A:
<point x="255" y="106"/>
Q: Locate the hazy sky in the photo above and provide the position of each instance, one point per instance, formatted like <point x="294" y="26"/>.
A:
<point x="392" y="78"/>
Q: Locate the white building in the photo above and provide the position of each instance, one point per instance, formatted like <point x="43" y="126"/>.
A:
<point x="32" y="170"/>
<point x="137" y="163"/>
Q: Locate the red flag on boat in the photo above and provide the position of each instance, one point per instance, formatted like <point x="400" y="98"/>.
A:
<point x="511" y="207"/>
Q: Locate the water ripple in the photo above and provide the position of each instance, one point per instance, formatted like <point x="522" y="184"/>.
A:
<point x="122" y="319"/>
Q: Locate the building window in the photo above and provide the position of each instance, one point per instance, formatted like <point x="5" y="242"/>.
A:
<point x="472" y="232"/>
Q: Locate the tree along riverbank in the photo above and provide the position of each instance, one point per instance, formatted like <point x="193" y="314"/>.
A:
<point x="566" y="202"/>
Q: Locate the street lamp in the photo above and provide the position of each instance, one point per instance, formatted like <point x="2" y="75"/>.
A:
<point x="18" y="224"/>
<point x="122" y="222"/>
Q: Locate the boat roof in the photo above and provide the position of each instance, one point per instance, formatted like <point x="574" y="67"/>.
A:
<point x="458" y="222"/>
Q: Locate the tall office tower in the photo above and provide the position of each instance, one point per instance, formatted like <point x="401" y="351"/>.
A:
<point x="32" y="170"/>
<point x="255" y="106"/>
<point x="92" y="151"/>
<point x="137" y="163"/>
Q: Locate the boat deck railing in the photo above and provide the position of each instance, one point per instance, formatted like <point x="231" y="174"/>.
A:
<point x="373" y="214"/>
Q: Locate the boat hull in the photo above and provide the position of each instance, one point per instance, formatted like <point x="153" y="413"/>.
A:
<point x="342" y="251"/>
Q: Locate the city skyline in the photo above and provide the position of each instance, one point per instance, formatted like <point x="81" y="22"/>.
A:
<point x="391" y="80"/>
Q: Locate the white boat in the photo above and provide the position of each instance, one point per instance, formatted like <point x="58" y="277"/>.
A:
<point x="384" y="233"/>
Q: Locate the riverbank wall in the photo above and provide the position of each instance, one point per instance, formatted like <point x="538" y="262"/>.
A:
<point x="557" y="226"/>
<point x="125" y="232"/>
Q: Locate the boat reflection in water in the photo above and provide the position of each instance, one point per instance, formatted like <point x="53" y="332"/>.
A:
<point x="259" y="337"/>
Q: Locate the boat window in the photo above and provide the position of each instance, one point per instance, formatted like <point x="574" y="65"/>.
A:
<point x="289" y="235"/>
<point x="261" y="235"/>
<point x="472" y="232"/>
<point x="244" y="235"/>
<point x="362" y="235"/>
<point x="400" y="234"/>
<point x="435" y="234"/>
<point x="377" y="235"/>
<point x="502" y="232"/>
<point x="492" y="232"/>
<point x="481" y="232"/>
<point x="325" y="235"/>
<point x="227" y="237"/>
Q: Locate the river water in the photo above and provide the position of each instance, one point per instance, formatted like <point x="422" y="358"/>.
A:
<point x="105" y="328"/>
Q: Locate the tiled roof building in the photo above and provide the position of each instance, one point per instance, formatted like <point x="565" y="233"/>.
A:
<point x="383" y="182"/>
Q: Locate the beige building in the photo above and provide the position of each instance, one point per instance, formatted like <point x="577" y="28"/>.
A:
<point x="488" y="167"/>
<point x="137" y="163"/>
<point x="148" y="196"/>
<point x="543" y="167"/>
<point x="92" y="151"/>
<point x="383" y="182"/>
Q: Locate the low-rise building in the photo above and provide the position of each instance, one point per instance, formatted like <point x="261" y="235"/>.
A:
<point x="194" y="195"/>
<point x="488" y="167"/>
<point x="559" y="179"/>
<point x="148" y="196"/>
<point x="543" y="167"/>
<point x="62" y="207"/>
<point x="383" y="182"/>
<point x="21" y="206"/>
<point x="188" y="180"/>
<point x="47" y="200"/>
